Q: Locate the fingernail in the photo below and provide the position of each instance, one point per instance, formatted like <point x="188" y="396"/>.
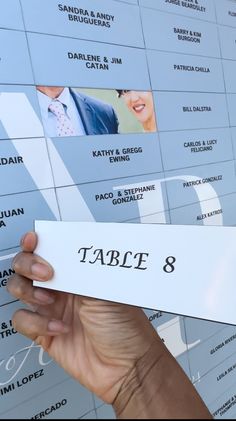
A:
<point x="13" y="262"/>
<point x="42" y="272"/>
<point x="57" y="326"/>
<point x="43" y="296"/>
<point x="22" y="240"/>
<point x="32" y="307"/>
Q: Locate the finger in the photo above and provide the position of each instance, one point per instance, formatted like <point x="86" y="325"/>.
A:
<point x="23" y="290"/>
<point x="33" y="325"/>
<point x="32" y="266"/>
<point x="29" y="242"/>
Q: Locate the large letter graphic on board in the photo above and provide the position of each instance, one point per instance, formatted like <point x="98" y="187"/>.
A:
<point x="17" y="104"/>
<point x="203" y="192"/>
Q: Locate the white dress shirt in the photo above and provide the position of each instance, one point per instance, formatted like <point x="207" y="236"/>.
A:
<point x="49" y="119"/>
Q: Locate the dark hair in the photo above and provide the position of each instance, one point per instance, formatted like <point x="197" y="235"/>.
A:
<point x="119" y="92"/>
<point x="122" y="92"/>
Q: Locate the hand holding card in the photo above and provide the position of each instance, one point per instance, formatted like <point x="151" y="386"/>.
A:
<point x="186" y="270"/>
<point x="110" y="348"/>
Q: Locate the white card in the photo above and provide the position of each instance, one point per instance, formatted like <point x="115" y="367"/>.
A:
<point x="187" y="270"/>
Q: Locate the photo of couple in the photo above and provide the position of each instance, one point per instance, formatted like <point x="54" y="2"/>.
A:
<point x="79" y="112"/>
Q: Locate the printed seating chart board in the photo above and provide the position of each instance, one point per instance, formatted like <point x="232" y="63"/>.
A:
<point x="120" y="111"/>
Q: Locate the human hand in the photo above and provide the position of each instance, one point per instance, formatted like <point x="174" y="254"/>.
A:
<point x="98" y="343"/>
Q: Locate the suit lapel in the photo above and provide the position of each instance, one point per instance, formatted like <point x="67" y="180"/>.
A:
<point x="86" y="113"/>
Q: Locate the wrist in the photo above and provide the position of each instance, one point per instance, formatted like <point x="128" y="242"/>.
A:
<point x="140" y="387"/>
<point x="158" y="388"/>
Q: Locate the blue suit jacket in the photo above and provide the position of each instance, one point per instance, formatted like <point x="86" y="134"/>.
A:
<point x="97" y="117"/>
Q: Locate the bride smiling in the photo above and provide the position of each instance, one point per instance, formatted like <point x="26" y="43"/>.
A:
<point x="141" y="105"/>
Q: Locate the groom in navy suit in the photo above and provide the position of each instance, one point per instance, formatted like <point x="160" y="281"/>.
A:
<point x="68" y="113"/>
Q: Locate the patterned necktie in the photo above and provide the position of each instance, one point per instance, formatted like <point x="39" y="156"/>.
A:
<point x="64" y="125"/>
